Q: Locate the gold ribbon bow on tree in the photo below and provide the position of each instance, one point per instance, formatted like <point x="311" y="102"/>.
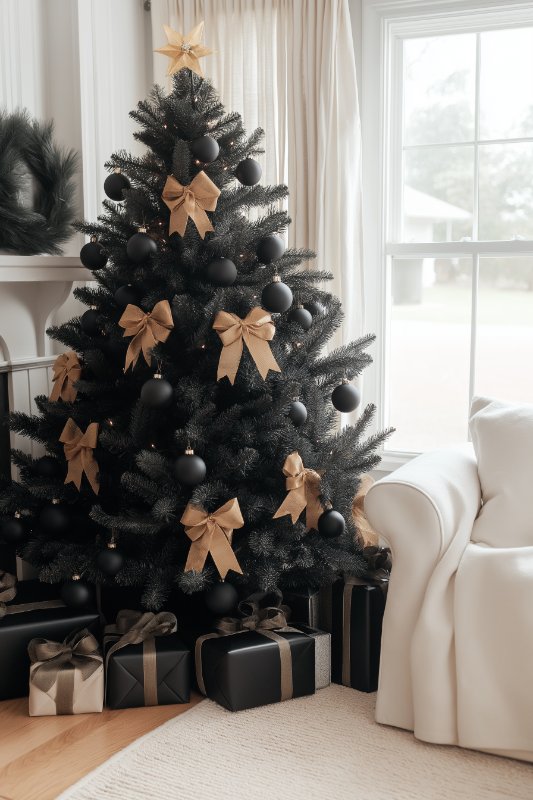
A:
<point x="303" y="487"/>
<point x="78" y="449"/>
<point x="256" y="330"/>
<point x="147" y="330"/>
<point x="191" y="201"/>
<point x="67" y="370"/>
<point x="212" y="533"/>
<point x="8" y="590"/>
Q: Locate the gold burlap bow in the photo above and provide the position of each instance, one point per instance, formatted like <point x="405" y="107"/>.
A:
<point x="147" y="330"/>
<point x="365" y="532"/>
<point x="212" y="533"/>
<point x="67" y="370"/>
<point x="8" y="590"/>
<point x="191" y="201"/>
<point x="256" y="330"/>
<point x="255" y="618"/>
<point x="78" y="449"/>
<point x="303" y="487"/>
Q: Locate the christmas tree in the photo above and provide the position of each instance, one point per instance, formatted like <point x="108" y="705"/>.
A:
<point x="193" y="429"/>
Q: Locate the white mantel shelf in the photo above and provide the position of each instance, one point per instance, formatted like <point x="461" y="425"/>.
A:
<point x="24" y="269"/>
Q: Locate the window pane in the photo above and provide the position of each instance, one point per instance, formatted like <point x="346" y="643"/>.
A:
<point x="439" y="89"/>
<point x="506" y="191"/>
<point x="429" y="352"/>
<point x="506" y="84"/>
<point x="438" y="193"/>
<point x="504" y="347"/>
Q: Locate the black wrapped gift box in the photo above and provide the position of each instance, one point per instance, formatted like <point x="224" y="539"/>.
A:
<point x="125" y="673"/>
<point x="304" y="605"/>
<point x="243" y="670"/>
<point x="18" y="629"/>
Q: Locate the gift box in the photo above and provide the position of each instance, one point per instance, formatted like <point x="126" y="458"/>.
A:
<point x="32" y="612"/>
<point x="322" y="654"/>
<point x="304" y="605"/>
<point x="66" y="677"/>
<point x="146" y="663"/>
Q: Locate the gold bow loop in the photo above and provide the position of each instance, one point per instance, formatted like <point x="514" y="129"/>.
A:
<point x="80" y="651"/>
<point x="147" y="330"/>
<point x="212" y="533"/>
<point x="78" y="449"/>
<point x="66" y="371"/>
<point x="256" y="330"/>
<point x="191" y="201"/>
<point x="8" y="590"/>
<point x="135" y="627"/>
<point x="303" y="487"/>
<point x="254" y="619"/>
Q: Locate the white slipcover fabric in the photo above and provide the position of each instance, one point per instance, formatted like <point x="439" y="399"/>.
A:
<point x="457" y="646"/>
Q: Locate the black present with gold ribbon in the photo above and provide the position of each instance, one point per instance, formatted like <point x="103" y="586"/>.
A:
<point x="146" y="662"/>
<point x="29" y="610"/>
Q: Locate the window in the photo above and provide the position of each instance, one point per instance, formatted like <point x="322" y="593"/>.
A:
<point x="455" y="249"/>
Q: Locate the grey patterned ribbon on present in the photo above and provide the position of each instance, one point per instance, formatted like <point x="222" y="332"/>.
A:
<point x="8" y="591"/>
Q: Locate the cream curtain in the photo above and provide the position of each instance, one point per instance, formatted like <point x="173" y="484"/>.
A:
<point x="288" y="66"/>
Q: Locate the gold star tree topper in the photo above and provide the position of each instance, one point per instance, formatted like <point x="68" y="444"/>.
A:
<point x="184" y="51"/>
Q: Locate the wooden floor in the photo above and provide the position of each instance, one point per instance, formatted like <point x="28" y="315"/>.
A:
<point x="42" y="756"/>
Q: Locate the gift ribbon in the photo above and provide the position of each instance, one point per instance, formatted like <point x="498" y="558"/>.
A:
<point x="137" y="627"/>
<point x="147" y="330"/>
<point x="78" y="449"/>
<point x="57" y="664"/>
<point x="303" y="487"/>
<point x="191" y="201"/>
<point x="349" y="582"/>
<point x="256" y="330"/>
<point x="212" y="533"/>
<point x="66" y="371"/>
<point x="8" y="590"/>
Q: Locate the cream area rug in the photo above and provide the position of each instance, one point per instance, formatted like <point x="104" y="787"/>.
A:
<point x="324" y="747"/>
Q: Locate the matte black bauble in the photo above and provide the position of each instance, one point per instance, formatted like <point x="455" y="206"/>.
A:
<point x="76" y="593"/>
<point x="90" y="322"/>
<point x="92" y="255"/>
<point x="346" y="397"/>
<point x="190" y="469"/>
<point x="114" y="186"/>
<point x="270" y="248"/>
<point x="110" y="561"/>
<point x="140" y="246"/>
<point x="205" y="149"/>
<point x="126" y="295"/>
<point x="221" y="598"/>
<point x="222" y="271"/>
<point x="48" y="467"/>
<point x="157" y="392"/>
<point x="248" y="172"/>
<point x="314" y="307"/>
<point x="302" y="316"/>
<point x="298" y="412"/>
<point x="12" y="530"/>
<point x="276" y="297"/>
<point x="54" y="520"/>
<point x="331" y="524"/>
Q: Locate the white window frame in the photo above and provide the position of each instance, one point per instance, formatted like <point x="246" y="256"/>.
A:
<point x="385" y="24"/>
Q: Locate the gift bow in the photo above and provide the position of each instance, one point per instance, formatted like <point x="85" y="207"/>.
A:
<point x="255" y="618"/>
<point x="257" y="330"/>
<point x="303" y="487"/>
<point x="193" y="200"/>
<point x="378" y="562"/>
<point x="212" y="533"/>
<point x="79" y="651"/>
<point x="147" y="330"/>
<point x="78" y="449"/>
<point x="67" y="370"/>
<point x="8" y="590"/>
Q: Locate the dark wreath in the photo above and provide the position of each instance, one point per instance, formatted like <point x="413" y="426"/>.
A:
<point x="36" y="186"/>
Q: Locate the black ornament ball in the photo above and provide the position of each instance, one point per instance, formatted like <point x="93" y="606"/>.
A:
<point x="76" y="593"/>
<point x="48" y="467"/>
<point x="92" y="255"/>
<point x="298" y="412"/>
<point x="346" y="397"/>
<point x="110" y="561"/>
<point x="221" y="598"/>
<point x="222" y="271"/>
<point x="315" y="308"/>
<point x="190" y="469"/>
<point x="12" y="530"/>
<point x="126" y="295"/>
<point x="248" y="172"/>
<point x="276" y="297"/>
<point x="302" y="316"/>
<point x="331" y="524"/>
<point x="205" y="149"/>
<point x="157" y="392"/>
<point x="54" y="520"/>
<point x="114" y="186"/>
<point x="270" y="248"/>
<point x="140" y="246"/>
<point x="90" y="322"/>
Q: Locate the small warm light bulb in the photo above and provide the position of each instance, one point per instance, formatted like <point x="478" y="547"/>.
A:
<point x="165" y="126"/>
<point x="152" y="446"/>
<point x="110" y="422"/>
